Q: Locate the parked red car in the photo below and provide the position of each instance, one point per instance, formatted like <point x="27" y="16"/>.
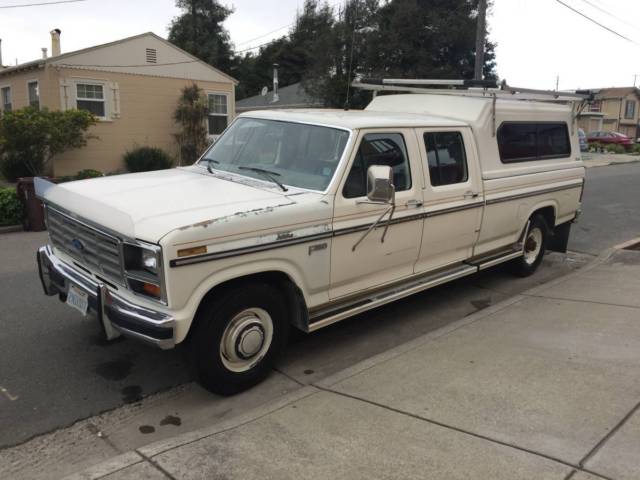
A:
<point x="610" y="137"/>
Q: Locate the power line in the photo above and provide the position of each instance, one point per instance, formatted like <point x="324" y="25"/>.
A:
<point x="268" y="33"/>
<point x="273" y="40"/>
<point x="596" y="22"/>
<point x="70" y="65"/>
<point x="610" y="14"/>
<point x="42" y="3"/>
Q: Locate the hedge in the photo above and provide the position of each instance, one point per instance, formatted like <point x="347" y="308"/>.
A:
<point x="10" y="207"/>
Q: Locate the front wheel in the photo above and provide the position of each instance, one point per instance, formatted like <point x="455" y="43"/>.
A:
<point x="534" y="248"/>
<point x="238" y="337"/>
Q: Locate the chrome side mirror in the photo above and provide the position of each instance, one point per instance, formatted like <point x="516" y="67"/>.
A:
<point x="380" y="184"/>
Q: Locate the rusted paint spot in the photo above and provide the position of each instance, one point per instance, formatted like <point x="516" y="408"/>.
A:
<point x="243" y="214"/>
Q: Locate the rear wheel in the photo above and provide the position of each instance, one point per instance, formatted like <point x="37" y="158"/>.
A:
<point x="238" y="337"/>
<point x="534" y="248"/>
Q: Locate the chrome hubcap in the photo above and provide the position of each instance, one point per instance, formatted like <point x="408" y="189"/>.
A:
<point x="532" y="245"/>
<point x="246" y="339"/>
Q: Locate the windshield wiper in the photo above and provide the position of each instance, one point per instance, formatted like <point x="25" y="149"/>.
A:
<point x="268" y="174"/>
<point x="209" y="162"/>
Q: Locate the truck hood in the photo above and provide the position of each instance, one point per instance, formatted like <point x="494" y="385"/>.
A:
<point x="149" y="205"/>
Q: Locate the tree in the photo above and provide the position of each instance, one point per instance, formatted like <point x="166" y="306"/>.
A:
<point x="30" y="138"/>
<point x="191" y="115"/>
<point x="200" y="32"/>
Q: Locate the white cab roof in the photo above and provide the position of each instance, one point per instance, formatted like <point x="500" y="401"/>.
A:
<point x="355" y="119"/>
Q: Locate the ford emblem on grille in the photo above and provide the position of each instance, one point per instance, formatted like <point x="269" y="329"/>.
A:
<point x="77" y="244"/>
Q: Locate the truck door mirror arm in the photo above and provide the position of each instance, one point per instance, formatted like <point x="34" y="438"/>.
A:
<point x="380" y="191"/>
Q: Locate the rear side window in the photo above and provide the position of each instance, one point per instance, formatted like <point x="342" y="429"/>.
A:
<point x="527" y="141"/>
<point x="446" y="158"/>
<point x="378" y="149"/>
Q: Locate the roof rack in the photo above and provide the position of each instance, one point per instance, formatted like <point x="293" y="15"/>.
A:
<point x="578" y="99"/>
<point x="476" y="88"/>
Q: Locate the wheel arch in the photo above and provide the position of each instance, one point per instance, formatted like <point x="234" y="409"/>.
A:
<point x="284" y="281"/>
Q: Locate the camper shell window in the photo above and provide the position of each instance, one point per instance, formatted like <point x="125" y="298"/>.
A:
<point x="528" y="141"/>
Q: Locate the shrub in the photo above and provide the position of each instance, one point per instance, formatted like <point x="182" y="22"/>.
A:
<point x="88" y="173"/>
<point x="12" y="168"/>
<point x="29" y="138"/>
<point x="191" y="115"/>
<point x="613" y="148"/>
<point x="10" y="207"/>
<point x="146" y="159"/>
<point x="636" y="148"/>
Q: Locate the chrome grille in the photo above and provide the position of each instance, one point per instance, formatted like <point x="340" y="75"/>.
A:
<point x="93" y="249"/>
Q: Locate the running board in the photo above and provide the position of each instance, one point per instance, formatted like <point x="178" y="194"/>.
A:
<point x="494" y="259"/>
<point x="332" y="315"/>
<point x="335" y="313"/>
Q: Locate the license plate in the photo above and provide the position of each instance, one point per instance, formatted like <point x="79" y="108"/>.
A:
<point x="78" y="299"/>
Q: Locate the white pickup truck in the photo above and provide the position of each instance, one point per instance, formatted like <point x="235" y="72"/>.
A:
<point x="304" y="218"/>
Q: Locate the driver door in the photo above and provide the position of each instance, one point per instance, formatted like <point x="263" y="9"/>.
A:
<point x="373" y="263"/>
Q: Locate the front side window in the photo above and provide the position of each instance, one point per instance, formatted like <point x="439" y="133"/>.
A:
<point x="446" y="158"/>
<point x="295" y="154"/>
<point x="528" y="141"/>
<point x="386" y="149"/>
<point x="6" y="99"/>
<point x="218" y="113"/>
<point x="90" y="97"/>
<point x="34" y="94"/>
<point x="630" y="109"/>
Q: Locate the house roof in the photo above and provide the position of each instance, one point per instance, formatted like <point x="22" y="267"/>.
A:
<point x="58" y="58"/>
<point x="291" y="96"/>
<point x="617" y="92"/>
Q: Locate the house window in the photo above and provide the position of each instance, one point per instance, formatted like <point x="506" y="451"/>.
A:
<point x="34" y="94"/>
<point x="6" y="99"/>
<point x="218" y="113"/>
<point x="90" y="97"/>
<point x="446" y="158"/>
<point x="595" y="106"/>
<point x="630" y="109"/>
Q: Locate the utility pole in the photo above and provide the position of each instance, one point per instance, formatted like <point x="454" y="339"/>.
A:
<point x="635" y="77"/>
<point x="480" y="38"/>
<point x="557" y="82"/>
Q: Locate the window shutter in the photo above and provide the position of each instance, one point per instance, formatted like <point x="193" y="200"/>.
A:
<point x="115" y="99"/>
<point x="66" y="96"/>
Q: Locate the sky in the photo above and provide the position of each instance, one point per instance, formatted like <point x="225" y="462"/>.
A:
<point x="537" y="40"/>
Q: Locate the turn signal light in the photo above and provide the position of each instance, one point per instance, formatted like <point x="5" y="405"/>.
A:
<point x="151" y="289"/>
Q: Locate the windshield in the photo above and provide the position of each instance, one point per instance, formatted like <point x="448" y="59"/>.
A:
<point x="294" y="154"/>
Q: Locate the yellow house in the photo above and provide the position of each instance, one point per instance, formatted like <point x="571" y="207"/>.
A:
<point x="132" y="86"/>
<point x="613" y="110"/>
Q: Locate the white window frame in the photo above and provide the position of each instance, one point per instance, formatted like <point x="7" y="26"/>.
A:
<point x="104" y="100"/>
<point x="37" y="82"/>
<point x="2" y="87"/>
<point x="210" y="114"/>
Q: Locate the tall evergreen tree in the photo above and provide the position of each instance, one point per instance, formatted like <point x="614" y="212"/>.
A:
<point x="199" y="31"/>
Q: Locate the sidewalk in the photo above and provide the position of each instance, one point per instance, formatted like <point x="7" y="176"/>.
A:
<point x="543" y="385"/>
<point x="604" y="159"/>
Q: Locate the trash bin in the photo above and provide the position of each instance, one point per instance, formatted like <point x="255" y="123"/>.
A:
<point x="34" y="212"/>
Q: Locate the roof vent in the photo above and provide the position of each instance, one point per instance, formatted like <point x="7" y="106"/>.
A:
<point x="152" y="55"/>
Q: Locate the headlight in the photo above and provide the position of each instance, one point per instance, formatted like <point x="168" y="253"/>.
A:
<point x="142" y="269"/>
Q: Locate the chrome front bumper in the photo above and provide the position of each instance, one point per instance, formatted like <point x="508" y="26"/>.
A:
<point x="115" y="314"/>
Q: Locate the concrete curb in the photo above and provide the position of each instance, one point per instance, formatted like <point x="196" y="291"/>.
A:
<point x="142" y="454"/>
<point x="11" y="229"/>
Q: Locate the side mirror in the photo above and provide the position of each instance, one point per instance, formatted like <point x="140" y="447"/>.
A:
<point x="380" y="187"/>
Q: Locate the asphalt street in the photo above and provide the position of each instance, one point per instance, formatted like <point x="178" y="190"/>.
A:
<point x="55" y="369"/>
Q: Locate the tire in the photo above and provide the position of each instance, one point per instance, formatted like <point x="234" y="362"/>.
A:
<point x="237" y="338"/>
<point x="535" y="244"/>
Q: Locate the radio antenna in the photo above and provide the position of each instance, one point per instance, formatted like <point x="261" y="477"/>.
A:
<point x="353" y="40"/>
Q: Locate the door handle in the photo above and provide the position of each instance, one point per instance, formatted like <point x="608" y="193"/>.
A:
<point x="414" y="203"/>
<point x="470" y="194"/>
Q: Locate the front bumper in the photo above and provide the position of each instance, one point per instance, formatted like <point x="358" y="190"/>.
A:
<point x="115" y="314"/>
